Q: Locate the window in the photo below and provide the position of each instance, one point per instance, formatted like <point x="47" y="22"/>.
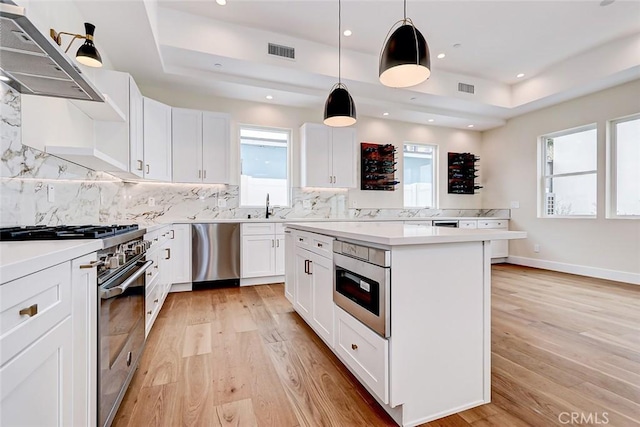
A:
<point x="264" y="166"/>
<point x="569" y="173"/>
<point x="625" y="157"/>
<point x="419" y="175"/>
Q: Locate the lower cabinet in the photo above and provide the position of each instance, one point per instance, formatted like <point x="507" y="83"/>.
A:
<point x="262" y="253"/>
<point x="499" y="248"/>
<point x="181" y="253"/>
<point x="289" y="267"/>
<point x="159" y="275"/>
<point x="313" y="290"/>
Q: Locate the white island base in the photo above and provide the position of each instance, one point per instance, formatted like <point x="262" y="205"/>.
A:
<point x="437" y="359"/>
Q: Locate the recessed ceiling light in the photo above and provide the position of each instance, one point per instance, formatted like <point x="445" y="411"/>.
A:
<point x="269" y="97"/>
<point x="385" y="114"/>
<point x="520" y="75"/>
<point x="469" y="126"/>
<point x="5" y="79"/>
<point x="457" y="45"/>
<point x="431" y="120"/>
<point x="221" y="2"/>
<point x="441" y="55"/>
<point x="217" y="64"/>
<point x="347" y="33"/>
<point x="606" y="2"/>
<point x="413" y="98"/>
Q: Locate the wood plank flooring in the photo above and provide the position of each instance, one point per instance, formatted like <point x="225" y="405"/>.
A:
<point x="561" y="345"/>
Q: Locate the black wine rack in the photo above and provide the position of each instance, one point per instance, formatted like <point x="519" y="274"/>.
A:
<point x="462" y="173"/>
<point x="377" y="167"/>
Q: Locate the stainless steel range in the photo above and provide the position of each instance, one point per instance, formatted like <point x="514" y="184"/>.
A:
<point x="121" y="271"/>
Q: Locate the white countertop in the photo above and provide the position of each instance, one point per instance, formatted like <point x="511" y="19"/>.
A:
<point x="403" y="234"/>
<point x="18" y="259"/>
<point x="331" y="220"/>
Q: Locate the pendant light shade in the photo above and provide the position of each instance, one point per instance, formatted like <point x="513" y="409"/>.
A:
<point x="405" y="59"/>
<point x="87" y="53"/>
<point x="339" y="110"/>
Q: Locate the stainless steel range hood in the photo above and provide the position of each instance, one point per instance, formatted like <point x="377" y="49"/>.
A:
<point x="36" y="65"/>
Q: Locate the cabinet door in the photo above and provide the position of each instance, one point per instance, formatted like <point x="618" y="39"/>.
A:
<point x="289" y="266"/>
<point x="186" y="145"/>
<point x="181" y="253"/>
<point x="36" y="384"/>
<point x="216" y="143"/>
<point x="343" y="157"/>
<point x="157" y="140"/>
<point x="303" y="293"/>
<point x="316" y="156"/>
<point x="258" y="256"/>
<point x="280" y="255"/>
<point x="136" y="124"/>
<point x="84" y="319"/>
<point x="321" y="270"/>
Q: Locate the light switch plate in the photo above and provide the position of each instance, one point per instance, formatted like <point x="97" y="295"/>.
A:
<point x="515" y="205"/>
<point x="51" y="193"/>
<point x="152" y="201"/>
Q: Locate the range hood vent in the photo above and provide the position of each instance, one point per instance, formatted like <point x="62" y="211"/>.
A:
<point x="34" y="63"/>
<point x="282" y="51"/>
<point x="466" y="88"/>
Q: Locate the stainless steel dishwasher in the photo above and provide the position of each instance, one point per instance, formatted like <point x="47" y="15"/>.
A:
<point x="215" y="254"/>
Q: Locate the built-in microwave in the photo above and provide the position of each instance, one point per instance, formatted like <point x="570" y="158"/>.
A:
<point x="362" y="285"/>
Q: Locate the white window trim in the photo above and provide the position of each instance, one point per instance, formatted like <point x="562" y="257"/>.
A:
<point x="612" y="170"/>
<point x="242" y="126"/>
<point x="542" y="177"/>
<point x="435" y="177"/>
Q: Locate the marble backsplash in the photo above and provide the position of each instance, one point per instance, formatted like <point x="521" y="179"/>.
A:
<point x="40" y="189"/>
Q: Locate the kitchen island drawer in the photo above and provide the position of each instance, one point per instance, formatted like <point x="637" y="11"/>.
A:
<point x="364" y="352"/>
<point x="492" y="223"/>
<point x="468" y="224"/>
<point x="31" y="305"/>
<point x="259" y="228"/>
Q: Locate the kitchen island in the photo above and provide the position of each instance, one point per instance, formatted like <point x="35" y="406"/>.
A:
<point x="434" y="358"/>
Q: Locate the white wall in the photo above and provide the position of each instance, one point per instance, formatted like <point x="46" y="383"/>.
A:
<point x="509" y="159"/>
<point x="369" y="130"/>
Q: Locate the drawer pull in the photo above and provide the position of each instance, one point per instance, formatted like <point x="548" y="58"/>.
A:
<point x="149" y="312"/>
<point x="149" y="273"/>
<point x="155" y="300"/>
<point x="168" y="253"/>
<point x="319" y="245"/>
<point x="300" y="239"/>
<point x="129" y="358"/>
<point x="354" y="346"/>
<point x="29" y="311"/>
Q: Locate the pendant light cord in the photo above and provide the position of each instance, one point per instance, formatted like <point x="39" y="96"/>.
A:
<point x="340" y="42"/>
<point x="405" y="10"/>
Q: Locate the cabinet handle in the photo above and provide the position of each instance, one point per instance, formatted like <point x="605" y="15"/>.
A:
<point x="300" y="239"/>
<point x="29" y="311"/>
<point x="149" y="312"/>
<point x="306" y="266"/>
<point x="148" y="168"/>
<point x="273" y="244"/>
<point x="139" y="165"/>
<point x="310" y="272"/>
<point x="277" y="243"/>
<point x="173" y="234"/>
<point x="168" y="253"/>
<point x="199" y="173"/>
<point x="156" y="300"/>
<point x="204" y="174"/>
<point x="149" y="273"/>
<point x="129" y="358"/>
<point x="319" y="245"/>
<point x="354" y="346"/>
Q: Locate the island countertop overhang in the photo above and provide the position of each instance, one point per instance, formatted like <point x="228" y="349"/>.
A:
<point x="387" y="234"/>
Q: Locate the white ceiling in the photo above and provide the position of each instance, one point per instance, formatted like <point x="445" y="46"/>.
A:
<point x="565" y="48"/>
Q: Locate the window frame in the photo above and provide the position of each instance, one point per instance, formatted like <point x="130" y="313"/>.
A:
<point x="612" y="168"/>
<point x="289" y="131"/>
<point x="434" y="175"/>
<point x="542" y="175"/>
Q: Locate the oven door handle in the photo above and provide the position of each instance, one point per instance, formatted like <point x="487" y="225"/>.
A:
<point x="120" y="289"/>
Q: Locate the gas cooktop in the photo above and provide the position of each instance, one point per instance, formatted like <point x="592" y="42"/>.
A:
<point x="61" y="232"/>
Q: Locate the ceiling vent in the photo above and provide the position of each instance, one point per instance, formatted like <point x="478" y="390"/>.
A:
<point x="282" y="51"/>
<point x="466" y="88"/>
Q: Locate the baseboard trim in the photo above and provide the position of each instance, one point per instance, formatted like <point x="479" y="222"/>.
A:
<point x="261" y="280"/>
<point x="581" y="270"/>
<point x="180" y="287"/>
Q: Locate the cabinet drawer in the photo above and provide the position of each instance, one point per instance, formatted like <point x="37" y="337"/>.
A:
<point x="467" y="224"/>
<point x="492" y="223"/>
<point x="422" y="223"/>
<point x="364" y="352"/>
<point x="301" y="239"/>
<point x="322" y="245"/>
<point x="279" y="228"/>
<point x="47" y="293"/>
<point x="249" y="229"/>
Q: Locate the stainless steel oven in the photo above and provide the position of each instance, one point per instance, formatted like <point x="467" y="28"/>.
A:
<point x="121" y="322"/>
<point x="362" y="285"/>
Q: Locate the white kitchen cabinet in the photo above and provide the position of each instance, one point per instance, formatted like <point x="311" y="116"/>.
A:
<point x="136" y="130"/>
<point x="289" y="266"/>
<point x="181" y="253"/>
<point x="157" y="140"/>
<point x="159" y="275"/>
<point x="200" y="145"/>
<point x="263" y="251"/>
<point x="499" y="248"/>
<point x="303" y="291"/>
<point x="328" y="156"/>
<point x="321" y="272"/>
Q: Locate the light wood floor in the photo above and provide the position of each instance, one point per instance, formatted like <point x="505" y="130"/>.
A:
<point x="242" y="357"/>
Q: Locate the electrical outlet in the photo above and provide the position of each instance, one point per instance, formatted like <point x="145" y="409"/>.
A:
<point x="51" y="193"/>
<point x="306" y="204"/>
<point x="536" y="248"/>
<point x="152" y="201"/>
<point x="515" y="205"/>
<point x="222" y="203"/>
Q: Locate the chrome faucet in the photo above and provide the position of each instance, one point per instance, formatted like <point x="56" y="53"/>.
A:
<point x="267" y="214"/>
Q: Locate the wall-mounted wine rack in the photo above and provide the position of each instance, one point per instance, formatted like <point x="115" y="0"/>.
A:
<point x="377" y="167"/>
<point x="462" y="173"/>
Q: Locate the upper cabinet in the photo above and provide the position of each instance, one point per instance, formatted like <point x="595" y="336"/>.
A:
<point x="200" y="145"/>
<point x="328" y="156"/>
<point x="157" y="140"/>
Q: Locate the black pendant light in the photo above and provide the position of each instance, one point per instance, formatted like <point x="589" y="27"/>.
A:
<point x="339" y="110"/>
<point x="404" y="60"/>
